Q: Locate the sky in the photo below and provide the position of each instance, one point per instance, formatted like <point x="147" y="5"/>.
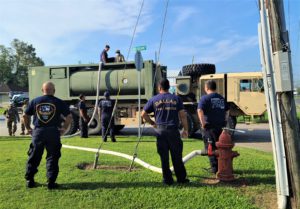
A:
<point x="222" y="32"/>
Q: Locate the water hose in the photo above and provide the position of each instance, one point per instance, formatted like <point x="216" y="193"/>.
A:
<point x="96" y="102"/>
<point x="137" y="160"/>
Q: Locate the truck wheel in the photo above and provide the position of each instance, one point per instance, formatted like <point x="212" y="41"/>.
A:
<point x="231" y="123"/>
<point x="198" y="69"/>
<point x="119" y="128"/>
<point x="190" y="125"/>
<point x="95" y="126"/>
<point x="73" y="127"/>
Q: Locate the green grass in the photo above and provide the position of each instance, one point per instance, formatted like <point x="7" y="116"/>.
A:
<point x="255" y="119"/>
<point x="141" y="188"/>
<point x="2" y="110"/>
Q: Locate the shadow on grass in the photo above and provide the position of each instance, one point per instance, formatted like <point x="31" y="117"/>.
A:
<point x="238" y="182"/>
<point x="255" y="172"/>
<point x="112" y="185"/>
<point x="126" y="141"/>
<point x="242" y="178"/>
<point x="10" y="138"/>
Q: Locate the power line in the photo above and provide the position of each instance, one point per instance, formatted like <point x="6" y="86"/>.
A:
<point x="297" y="46"/>
<point x="162" y="31"/>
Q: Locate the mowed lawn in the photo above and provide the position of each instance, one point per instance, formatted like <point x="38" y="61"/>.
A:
<point x="114" y="187"/>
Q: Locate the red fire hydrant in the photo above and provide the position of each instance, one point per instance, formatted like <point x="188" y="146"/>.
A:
<point x="225" y="156"/>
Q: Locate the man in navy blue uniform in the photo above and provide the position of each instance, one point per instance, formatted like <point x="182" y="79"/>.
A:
<point x="106" y="107"/>
<point x="104" y="56"/>
<point x="168" y="108"/>
<point x="213" y="114"/>
<point x="47" y="111"/>
<point x="84" y="118"/>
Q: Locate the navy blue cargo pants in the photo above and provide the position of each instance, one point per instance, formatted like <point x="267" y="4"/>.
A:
<point x="105" y="126"/>
<point x="83" y="126"/>
<point x="211" y="136"/>
<point x="49" y="138"/>
<point x="168" y="140"/>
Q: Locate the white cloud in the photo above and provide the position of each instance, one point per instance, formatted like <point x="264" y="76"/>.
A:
<point x="183" y="14"/>
<point x="58" y="26"/>
<point x="224" y="50"/>
<point x="206" y="49"/>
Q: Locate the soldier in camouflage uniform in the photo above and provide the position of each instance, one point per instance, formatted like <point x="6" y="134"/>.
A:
<point x="24" y="107"/>
<point x="12" y="117"/>
<point x="119" y="57"/>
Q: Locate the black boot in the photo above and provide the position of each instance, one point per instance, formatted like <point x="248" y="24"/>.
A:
<point x="52" y="185"/>
<point x="30" y="183"/>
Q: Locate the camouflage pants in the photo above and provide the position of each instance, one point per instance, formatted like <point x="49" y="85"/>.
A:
<point x="23" y="127"/>
<point x="12" y="127"/>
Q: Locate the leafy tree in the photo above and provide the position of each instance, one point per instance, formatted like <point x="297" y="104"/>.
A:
<point x="15" y="60"/>
<point x="5" y="64"/>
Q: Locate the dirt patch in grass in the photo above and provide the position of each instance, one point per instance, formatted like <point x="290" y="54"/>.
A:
<point x="90" y="166"/>
<point x="210" y="181"/>
<point x="238" y="182"/>
<point x="266" y="199"/>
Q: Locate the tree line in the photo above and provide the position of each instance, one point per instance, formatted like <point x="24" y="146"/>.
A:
<point x="15" y="61"/>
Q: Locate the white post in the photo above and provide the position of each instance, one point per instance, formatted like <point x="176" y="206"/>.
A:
<point x="139" y="105"/>
<point x="139" y="66"/>
<point x="275" y="119"/>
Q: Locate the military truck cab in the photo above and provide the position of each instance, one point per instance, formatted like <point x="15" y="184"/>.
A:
<point x="244" y="93"/>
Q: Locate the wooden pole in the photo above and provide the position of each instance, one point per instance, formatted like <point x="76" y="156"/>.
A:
<point x="290" y="124"/>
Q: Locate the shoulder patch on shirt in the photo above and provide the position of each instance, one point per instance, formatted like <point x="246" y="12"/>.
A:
<point x="45" y="112"/>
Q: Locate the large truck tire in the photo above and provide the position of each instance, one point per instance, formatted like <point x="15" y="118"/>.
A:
<point x="119" y="128"/>
<point x="198" y="69"/>
<point x="190" y="125"/>
<point x="95" y="126"/>
<point x="231" y="123"/>
<point x="74" y="125"/>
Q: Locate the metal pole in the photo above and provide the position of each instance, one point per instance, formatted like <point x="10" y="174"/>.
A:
<point x="291" y="136"/>
<point x="139" y="105"/>
<point x="275" y="116"/>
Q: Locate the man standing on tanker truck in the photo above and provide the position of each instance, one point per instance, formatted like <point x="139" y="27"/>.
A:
<point x="213" y="114"/>
<point x="168" y="109"/>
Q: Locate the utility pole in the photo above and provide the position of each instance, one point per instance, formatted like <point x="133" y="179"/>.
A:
<point x="283" y="77"/>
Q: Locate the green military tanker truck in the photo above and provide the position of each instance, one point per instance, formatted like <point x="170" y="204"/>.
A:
<point x="243" y="91"/>
<point x="72" y="80"/>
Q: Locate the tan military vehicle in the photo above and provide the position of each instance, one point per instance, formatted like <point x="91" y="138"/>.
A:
<point x="244" y="92"/>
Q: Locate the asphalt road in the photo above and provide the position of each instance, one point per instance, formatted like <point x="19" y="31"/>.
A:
<point x="257" y="136"/>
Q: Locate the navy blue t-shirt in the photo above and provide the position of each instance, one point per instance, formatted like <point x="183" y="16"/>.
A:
<point x="165" y="107"/>
<point x="107" y="107"/>
<point x="47" y="110"/>
<point x="103" y="53"/>
<point x="214" y="107"/>
<point x="82" y="106"/>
